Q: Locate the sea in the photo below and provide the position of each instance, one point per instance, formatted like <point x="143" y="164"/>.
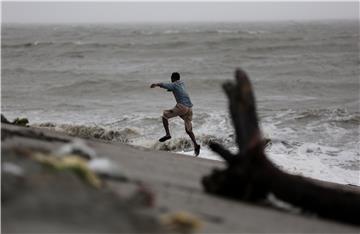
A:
<point x="93" y="80"/>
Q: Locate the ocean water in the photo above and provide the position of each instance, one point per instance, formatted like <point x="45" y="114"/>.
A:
<point x="93" y="80"/>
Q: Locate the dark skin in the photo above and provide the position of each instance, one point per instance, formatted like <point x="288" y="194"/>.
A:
<point x="166" y="122"/>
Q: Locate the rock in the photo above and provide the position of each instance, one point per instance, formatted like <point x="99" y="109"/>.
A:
<point x="21" y="121"/>
<point x="17" y="121"/>
<point x="4" y="119"/>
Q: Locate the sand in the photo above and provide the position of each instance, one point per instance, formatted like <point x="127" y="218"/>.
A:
<point x="174" y="182"/>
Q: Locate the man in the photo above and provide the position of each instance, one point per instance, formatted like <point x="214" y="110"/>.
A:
<point x="182" y="108"/>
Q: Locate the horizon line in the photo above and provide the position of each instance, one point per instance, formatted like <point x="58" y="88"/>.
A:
<point x="185" y="22"/>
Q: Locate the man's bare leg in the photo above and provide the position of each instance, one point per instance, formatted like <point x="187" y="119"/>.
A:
<point x="196" y="146"/>
<point x="167" y="131"/>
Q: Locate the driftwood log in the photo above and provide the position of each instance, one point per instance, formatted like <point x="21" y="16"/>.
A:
<point x="251" y="176"/>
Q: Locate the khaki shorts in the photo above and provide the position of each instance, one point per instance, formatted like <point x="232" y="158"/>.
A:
<point x="183" y="112"/>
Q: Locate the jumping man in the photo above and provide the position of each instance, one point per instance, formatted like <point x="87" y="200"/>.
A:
<point x="182" y="108"/>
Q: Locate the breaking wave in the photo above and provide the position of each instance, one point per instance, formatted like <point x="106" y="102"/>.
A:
<point x="27" y="44"/>
<point x="331" y="115"/>
<point x="185" y="144"/>
<point x="334" y="116"/>
<point x="93" y="45"/>
<point x="132" y="136"/>
<point x="124" y="135"/>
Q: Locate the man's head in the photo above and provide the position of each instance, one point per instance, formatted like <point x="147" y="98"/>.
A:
<point x="175" y="76"/>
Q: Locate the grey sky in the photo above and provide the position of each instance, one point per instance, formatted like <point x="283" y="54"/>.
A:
<point x="101" y="12"/>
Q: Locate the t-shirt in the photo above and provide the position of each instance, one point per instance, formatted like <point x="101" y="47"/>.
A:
<point x="179" y="91"/>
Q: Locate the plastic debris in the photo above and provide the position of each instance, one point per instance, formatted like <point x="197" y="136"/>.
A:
<point x="104" y="167"/>
<point x="70" y="162"/>
<point x="77" y="147"/>
<point x="12" y="168"/>
<point x="182" y="222"/>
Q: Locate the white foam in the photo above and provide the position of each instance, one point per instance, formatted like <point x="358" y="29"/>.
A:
<point x="312" y="160"/>
<point x="205" y="152"/>
<point x="304" y="161"/>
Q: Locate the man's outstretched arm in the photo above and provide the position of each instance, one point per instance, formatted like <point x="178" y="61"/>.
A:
<point x="168" y="86"/>
<point x="154" y="85"/>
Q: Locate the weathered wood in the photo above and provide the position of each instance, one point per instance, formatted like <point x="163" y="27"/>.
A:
<point x="251" y="176"/>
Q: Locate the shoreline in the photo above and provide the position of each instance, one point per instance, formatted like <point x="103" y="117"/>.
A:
<point x="182" y="145"/>
<point x="174" y="182"/>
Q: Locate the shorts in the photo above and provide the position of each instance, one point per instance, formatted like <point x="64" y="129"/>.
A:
<point x="183" y="112"/>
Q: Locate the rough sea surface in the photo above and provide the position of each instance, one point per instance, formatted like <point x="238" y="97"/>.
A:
<point x="93" y="80"/>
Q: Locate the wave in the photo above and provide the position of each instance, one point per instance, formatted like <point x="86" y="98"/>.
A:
<point x="74" y="54"/>
<point x="316" y="161"/>
<point x="137" y="119"/>
<point x="115" y="43"/>
<point x="185" y="144"/>
<point x="340" y="115"/>
<point x="335" y="115"/>
<point x="27" y="44"/>
<point x="63" y="44"/>
<point x="101" y="85"/>
<point x="96" y="86"/>
<point x="227" y="41"/>
<point x="89" y="46"/>
<point x="124" y="135"/>
<point x="345" y="36"/>
<point x="62" y="71"/>
<point x="195" y="31"/>
<point x="82" y="83"/>
<point x="131" y="135"/>
<point x="299" y="156"/>
<point x="298" y="46"/>
<point x="94" y="45"/>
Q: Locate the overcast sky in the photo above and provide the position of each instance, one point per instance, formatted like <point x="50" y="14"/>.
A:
<point x="102" y="12"/>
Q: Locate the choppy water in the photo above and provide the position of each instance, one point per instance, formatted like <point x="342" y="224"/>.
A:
<point x="94" y="80"/>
